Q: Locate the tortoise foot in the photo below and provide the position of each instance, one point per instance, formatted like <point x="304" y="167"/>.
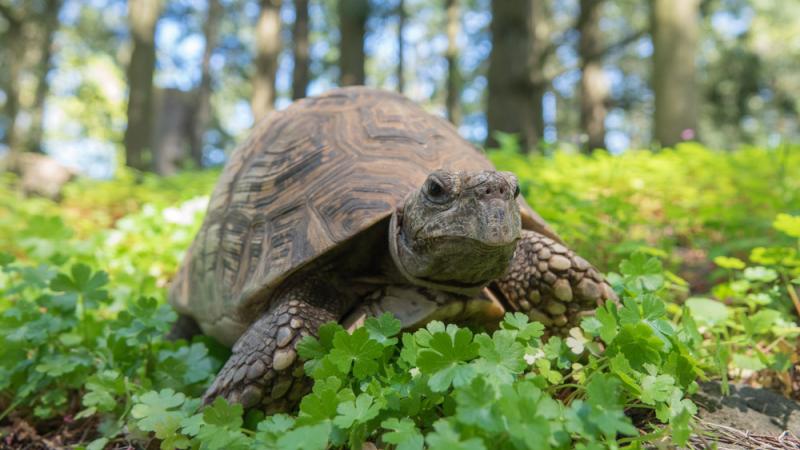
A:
<point x="264" y="370"/>
<point x="552" y="284"/>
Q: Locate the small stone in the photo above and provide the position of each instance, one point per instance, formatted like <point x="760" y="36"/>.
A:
<point x="558" y="248"/>
<point x="549" y="278"/>
<point x="539" y="316"/>
<point x="284" y="336"/>
<point x="534" y="297"/>
<point x="588" y="289"/>
<point x="283" y="359"/>
<point x="544" y="253"/>
<point x="294" y="303"/>
<point x="580" y="263"/>
<point x="537" y="246"/>
<point x="559" y="263"/>
<point x="560" y="320"/>
<point x="556" y="308"/>
<point x="562" y="290"/>
<point x="296" y="323"/>
<point x="525" y="305"/>
<point x="293" y="311"/>
<point x="256" y="370"/>
<point x="251" y="396"/>
<point x="542" y="266"/>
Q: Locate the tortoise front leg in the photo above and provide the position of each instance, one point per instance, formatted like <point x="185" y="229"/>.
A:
<point x="264" y="369"/>
<point x="551" y="283"/>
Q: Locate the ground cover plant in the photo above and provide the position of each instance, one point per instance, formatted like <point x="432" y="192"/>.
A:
<point x="83" y="360"/>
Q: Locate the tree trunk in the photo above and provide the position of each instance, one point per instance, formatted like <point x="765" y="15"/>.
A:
<point x="401" y="24"/>
<point x="16" y="47"/>
<point x="453" y="74"/>
<point x="301" y="48"/>
<point x="268" y="47"/>
<point x="352" y="27"/>
<point x="594" y="86"/>
<point x="203" y="113"/>
<point x="674" y="29"/>
<point x="49" y="25"/>
<point x="143" y="15"/>
<point x="515" y="77"/>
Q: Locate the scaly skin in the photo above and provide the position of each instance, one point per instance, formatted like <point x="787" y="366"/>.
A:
<point x="552" y="284"/>
<point x="264" y="370"/>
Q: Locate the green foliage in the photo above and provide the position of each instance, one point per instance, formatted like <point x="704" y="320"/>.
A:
<point x="82" y="320"/>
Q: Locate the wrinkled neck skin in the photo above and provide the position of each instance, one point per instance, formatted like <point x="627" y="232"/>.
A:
<point x="459" y="245"/>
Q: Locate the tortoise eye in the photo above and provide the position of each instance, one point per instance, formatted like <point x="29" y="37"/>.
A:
<point x="435" y="191"/>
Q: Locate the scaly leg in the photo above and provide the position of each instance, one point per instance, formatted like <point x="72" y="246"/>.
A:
<point x="552" y="284"/>
<point x="264" y="369"/>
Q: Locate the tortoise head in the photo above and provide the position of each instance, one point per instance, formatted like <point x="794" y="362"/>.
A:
<point x="458" y="231"/>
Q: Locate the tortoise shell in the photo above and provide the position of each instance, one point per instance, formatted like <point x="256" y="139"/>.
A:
<point x="306" y="180"/>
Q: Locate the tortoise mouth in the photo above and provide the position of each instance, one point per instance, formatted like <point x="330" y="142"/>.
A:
<point x="459" y="264"/>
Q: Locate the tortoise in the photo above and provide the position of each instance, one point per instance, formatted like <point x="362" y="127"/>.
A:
<point x="350" y="204"/>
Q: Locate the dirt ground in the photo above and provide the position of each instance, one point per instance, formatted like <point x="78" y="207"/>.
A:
<point x="749" y="411"/>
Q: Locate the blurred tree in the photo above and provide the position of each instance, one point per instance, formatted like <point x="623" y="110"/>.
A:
<point x="29" y="31"/>
<point x="453" y="27"/>
<point x="142" y="16"/>
<point x="674" y="29"/>
<point x="594" y="85"/>
<point x="401" y="24"/>
<point x="202" y="110"/>
<point x="300" y="49"/>
<point x="268" y="47"/>
<point x="516" y="71"/>
<point x="353" y="16"/>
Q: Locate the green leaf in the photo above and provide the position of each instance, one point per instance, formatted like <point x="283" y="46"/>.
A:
<point x="157" y="412"/>
<point x="405" y="434"/>
<point x="760" y="273"/>
<point x="356" y="350"/>
<point x="322" y="403"/>
<point x="356" y="412"/>
<point x="727" y="262"/>
<point x="474" y="405"/>
<point x="643" y="273"/>
<point x="788" y="224"/>
<point x="383" y="328"/>
<point x="446" y="357"/>
<point x="446" y="438"/>
<point x="639" y="344"/>
<point x="223" y="414"/>
<point x="656" y="388"/>
<point x="526" y="330"/>
<point x="501" y="357"/>
<point x="312" y="437"/>
<point x="707" y="311"/>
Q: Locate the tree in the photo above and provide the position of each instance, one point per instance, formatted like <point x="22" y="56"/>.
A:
<point x="142" y="16"/>
<point x="30" y="29"/>
<point x="203" y="111"/>
<point x="401" y="23"/>
<point x="674" y="29"/>
<point x="300" y="47"/>
<point x="594" y="86"/>
<point x="353" y="16"/>
<point x="516" y="76"/>
<point x="268" y="47"/>
<point x="453" y="74"/>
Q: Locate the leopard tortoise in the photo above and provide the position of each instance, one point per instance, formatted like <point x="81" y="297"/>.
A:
<point x="354" y="203"/>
